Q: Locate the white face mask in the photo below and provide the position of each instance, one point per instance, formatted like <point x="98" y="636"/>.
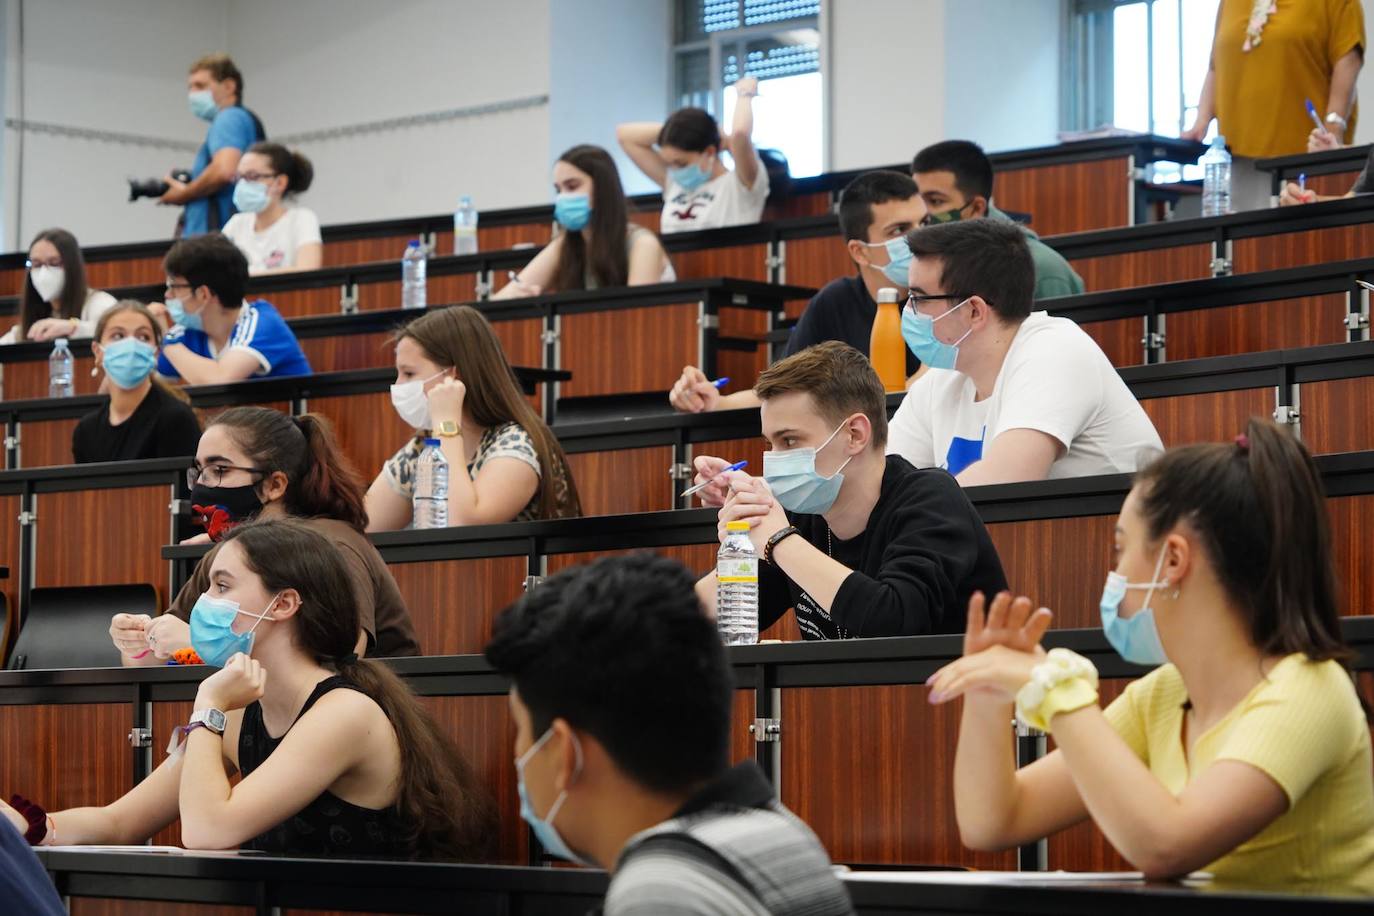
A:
<point x="411" y="402"/>
<point x="48" y="281"/>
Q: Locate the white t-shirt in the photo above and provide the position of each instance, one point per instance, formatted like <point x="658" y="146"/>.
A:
<point x="275" y="246"/>
<point x="98" y="302"/>
<point x="722" y="201"/>
<point x="1055" y="379"/>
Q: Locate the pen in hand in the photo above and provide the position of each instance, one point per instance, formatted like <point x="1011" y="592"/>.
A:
<point x="707" y="482"/>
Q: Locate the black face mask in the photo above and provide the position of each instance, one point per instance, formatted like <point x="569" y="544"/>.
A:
<point x="218" y="509"/>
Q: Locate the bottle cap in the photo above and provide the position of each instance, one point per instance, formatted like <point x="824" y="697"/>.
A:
<point x="433" y="442"/>
<point x="414" y="243"/>
<point x="62" y="342"/>
<point x="887" y="294"/>
<point x="737" y="526"/>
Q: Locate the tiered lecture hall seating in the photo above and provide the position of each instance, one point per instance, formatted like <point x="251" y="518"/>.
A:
<point x="861" y="757"/>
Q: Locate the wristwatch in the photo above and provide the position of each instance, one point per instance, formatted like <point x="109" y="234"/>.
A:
<point x="212" y="719"/>
<point x="1336" y="120"/>
<point x="448" y="429"/>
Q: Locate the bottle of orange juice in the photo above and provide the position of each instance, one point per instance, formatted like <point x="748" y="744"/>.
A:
<point x="886" y="349"/>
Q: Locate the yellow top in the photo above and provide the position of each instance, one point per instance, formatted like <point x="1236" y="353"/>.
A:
<point x="1303" y="726"/>
<point x="1261" y="93"/>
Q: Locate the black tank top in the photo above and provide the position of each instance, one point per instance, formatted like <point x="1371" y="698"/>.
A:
<point x="328" y="826"/>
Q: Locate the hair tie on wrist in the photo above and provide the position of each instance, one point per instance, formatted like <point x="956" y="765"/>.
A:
<point x="37" y="819"/>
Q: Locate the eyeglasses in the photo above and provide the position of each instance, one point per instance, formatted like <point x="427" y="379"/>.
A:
<point x="257" y="176"/>
<point x="915" y="299"/>
<point x="31" y="264"/>
<point x="212" y="475"/>
<point x="172" y="286"/>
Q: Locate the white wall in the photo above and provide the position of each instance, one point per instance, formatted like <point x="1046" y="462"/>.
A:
<point x="102" y="66"/>
<point x="886" y="67"/>
<point x="1364" y="86"/>
<point x="318" y="64"/>
<point x="609" y="62"/>
<point x="1002" y="72"/>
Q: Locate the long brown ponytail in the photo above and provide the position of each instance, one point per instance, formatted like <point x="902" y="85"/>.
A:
<point x="321" y="481"/>
<point x="1260" y="509"/>
<point x="444" y="812"/>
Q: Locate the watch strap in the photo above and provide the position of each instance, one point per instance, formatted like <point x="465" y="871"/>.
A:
<point x="775" y="539"/>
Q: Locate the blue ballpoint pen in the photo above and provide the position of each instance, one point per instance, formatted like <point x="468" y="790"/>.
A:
<point x="705" y="483"/>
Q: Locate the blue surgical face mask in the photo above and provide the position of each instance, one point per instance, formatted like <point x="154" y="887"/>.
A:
<point x="188" y="320"/>
<point x="128" y="362"/>
<point x="202" y="103"/>
<point x="1135" y="638"/>
<point x="543" y="827"/>
<point x="691" y="177"/>
<point x="212" y="633"/>
<point x="919" y="333"/>
<point x="573" y="211"/>
<point x="796" y="484"/>
<point x="898" y="259"/>
<point x="251" y="196"/>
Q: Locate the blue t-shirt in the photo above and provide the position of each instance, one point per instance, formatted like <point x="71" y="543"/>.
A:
<point x="260" y="330"/>
<point x="232" y="126"/>
<point x="24" y="884"/>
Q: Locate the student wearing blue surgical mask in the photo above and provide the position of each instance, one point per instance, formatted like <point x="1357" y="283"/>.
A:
<point x="143" y="417"/>
<point x="336" y="756"/>
<point x="877" y="210"/>
<point x="1011" y="394"/>
<point x="683" y="157"/>
<point x="593" y="655"/>
<point x="859" y="543"/>
<point x="275" y="233"/>
<point x="214" y="93"/>
<point x="595" y="246"/>
<point x="1246" y="752"/>
<point x="215" y="336"/>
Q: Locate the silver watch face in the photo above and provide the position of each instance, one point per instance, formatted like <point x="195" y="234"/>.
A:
<point x="214" y="719"/>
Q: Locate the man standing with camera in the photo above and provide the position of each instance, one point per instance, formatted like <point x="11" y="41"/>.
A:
<point x="215" y="94"/>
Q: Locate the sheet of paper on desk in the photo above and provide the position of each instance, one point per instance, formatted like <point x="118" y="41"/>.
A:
<point x="162" y="850"/>
<point x="995" y="877"/>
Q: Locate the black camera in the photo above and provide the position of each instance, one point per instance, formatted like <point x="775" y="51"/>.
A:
<point x="154" y="187"/>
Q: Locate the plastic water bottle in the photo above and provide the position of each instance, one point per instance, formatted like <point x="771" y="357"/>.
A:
<point x="413" y="264"/>
<point x="737" y="587"/>
<point x="60" y="370"/>
<point x="430" y="504"/>
<point x="465" y="227"/>
<point x="1216" y="179"/>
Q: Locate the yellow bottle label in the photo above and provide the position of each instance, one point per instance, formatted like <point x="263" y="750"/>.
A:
<point x="742" y="569"/>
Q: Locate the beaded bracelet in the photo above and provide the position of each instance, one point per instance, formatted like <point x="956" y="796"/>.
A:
<point x="1063" y="682"/>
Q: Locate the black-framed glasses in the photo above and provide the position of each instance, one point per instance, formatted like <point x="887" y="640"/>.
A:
<point x="915" y="299"/>
<point x="212" y="475"/>
<point x="172" y="286"/>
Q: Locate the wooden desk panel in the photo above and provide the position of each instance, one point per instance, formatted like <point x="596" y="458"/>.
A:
<point x="1337" y="416"/>
<point x="49" y="753"/>
<point x="1143" y="268"/>
<point x="298" y="303"/>
<point x="790" y="206"/>
<point x="1073" y="197"/>
<point x="130" y="272"/>
<point x="103" y="537"/>
<point x="101" y="906"/>
<point x="1119" y="339"/>
<point x="1083" y="847"/>
<point x="500" y="238"/>
<point x="30" y="379"/>
<point x="439" y="290"/>
<point x="368" y="427"/>
<point x="870" y="769"/>
<point x="1255" y="327"/>
<point x="9" y="557"/>
<point x="1337" y="184"/>
<point x="815" y="262"/>
<point x="484" y="732"/>
<point x="454" y="602"/>
<point x="627" y="480"/>
<point x="1058" y="563"/>
<point x="344" y="352"/>
<point x="12" y="281"/>
<point x="350" y="252"/>
<point x="46" y="443"/>
<point x="1217" y="417"/>
<point x="699" y="558"/>
<point x="1299" y="249"/>
<point x="628" y="350"/>
<point x="744" y="262"/>
<point x="1352" y="532"/>
<point x="521" y="341"/>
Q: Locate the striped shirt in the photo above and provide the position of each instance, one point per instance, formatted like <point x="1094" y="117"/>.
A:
<point x="732" y="850"/>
